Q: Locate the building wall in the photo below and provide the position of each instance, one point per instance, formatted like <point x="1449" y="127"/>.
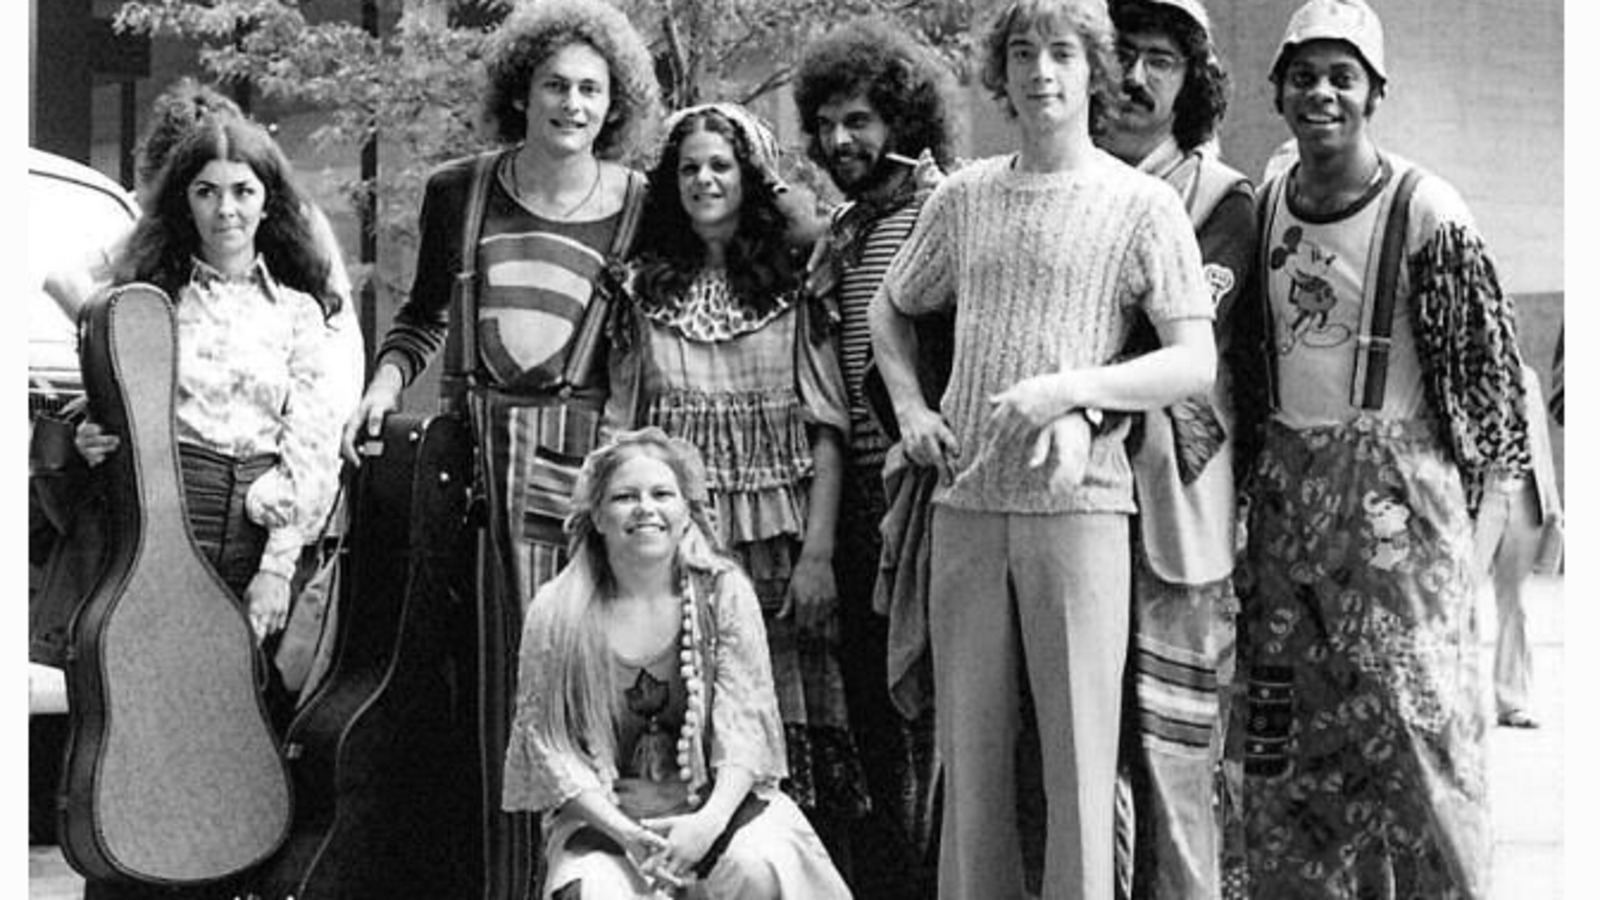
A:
<point x="1475" y="95"/>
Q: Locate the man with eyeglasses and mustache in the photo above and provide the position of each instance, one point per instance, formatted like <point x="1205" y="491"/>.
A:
<point x="1181" y="658"/>
<point x="874" y="107"/>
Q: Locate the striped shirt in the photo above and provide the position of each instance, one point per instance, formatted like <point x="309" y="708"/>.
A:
<point x="857" y="284"/>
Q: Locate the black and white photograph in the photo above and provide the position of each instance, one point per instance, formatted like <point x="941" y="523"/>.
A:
<point x="802" y="449"/>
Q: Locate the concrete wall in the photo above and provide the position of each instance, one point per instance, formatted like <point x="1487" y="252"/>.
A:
<point x="1475" y="94"/>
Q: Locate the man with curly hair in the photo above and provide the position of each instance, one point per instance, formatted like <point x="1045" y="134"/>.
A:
<point x="1181" y="658"/>
<point x="571" y="90"/>
<point x="1048" y="255"/>
<point x="872" y="100"/>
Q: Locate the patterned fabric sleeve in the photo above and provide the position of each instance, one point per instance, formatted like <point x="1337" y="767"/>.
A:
<point x="746" y="727"/>
<point x="537" y="774"/>
<point x="1467" y="342"/>
<point x="293" y="499"/>
<point x="819" y="377"/>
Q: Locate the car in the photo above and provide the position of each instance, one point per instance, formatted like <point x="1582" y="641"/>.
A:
<point x="73" y="213"/>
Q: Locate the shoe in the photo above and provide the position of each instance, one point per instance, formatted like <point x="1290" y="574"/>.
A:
<point x="1518" y="719"/>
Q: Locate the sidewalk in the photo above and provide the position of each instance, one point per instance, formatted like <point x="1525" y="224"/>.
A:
<point x="1526" y="772"/>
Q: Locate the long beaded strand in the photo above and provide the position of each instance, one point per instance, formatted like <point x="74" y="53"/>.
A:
<point x="695" y="714"/>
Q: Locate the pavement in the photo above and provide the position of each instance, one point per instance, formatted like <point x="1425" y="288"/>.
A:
<point x="1526" y="772"/>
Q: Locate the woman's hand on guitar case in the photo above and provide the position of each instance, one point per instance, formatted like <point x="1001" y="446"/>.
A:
<point x="267" y="599"/>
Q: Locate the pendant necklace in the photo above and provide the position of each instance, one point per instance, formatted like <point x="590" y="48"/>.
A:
<point x="516" y="181"/>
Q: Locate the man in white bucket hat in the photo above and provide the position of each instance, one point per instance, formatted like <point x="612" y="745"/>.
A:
<point x="1396" y="395"/>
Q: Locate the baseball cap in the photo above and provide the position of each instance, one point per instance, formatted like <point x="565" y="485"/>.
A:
<point x="1351" y="21"/>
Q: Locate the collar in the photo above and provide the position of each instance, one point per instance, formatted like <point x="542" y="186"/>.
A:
<point x="204" y="275"/>
<point x="1163" y="159"/>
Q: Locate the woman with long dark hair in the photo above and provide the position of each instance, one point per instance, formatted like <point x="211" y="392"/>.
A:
<point x="723" y="348"/>
<point x="226" y="235"/>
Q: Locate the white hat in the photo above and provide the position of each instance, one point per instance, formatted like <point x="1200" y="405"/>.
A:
<point x="1190" y="8"/>
<point x="1351" y="21"/>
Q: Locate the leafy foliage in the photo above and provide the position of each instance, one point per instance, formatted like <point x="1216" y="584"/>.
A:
<point x="415" y="86"/>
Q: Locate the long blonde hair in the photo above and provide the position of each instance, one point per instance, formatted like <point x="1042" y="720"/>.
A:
<point x="566" y="619"/>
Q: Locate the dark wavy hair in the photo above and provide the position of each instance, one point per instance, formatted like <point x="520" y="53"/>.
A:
<point x="1093" y="26"/>
<point x="534" y="32"/>
<point x="176" y="110"/>
<point x="900" y="77"/>
<point x="763" y="263"/>
<point x="164" y="241"/>
<point x="1203" y="101"/>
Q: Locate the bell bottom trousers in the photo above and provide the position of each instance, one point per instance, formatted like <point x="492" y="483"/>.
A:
<point x="1046" y="595"/>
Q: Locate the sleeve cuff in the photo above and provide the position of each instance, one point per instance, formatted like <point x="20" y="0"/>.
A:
<point x="282" y="553"/>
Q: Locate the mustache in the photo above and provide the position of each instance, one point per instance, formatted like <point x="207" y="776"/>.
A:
<point x="1138" y="96"/>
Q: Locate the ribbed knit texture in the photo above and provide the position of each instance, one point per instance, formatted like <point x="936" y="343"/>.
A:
<point x="1047" y="272"/>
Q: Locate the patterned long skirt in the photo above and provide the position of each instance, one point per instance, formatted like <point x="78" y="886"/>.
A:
<point x="1364" y="730"/>
<point x="824" y="772"/>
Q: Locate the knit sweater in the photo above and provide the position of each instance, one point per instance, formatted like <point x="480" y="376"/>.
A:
<point x="1046" y="272"/>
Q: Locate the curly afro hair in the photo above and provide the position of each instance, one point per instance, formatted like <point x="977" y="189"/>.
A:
<point x="536" y="31"/>
<point x="901" y="78"/>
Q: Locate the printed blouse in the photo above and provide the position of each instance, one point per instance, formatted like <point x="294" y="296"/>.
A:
<point x="731" y="655"/>
<point x="257" y="373"/>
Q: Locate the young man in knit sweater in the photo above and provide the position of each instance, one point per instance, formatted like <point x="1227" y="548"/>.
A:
<point x="872" y="101"/>
<point x="1049" y="254"/>
<point x="1181" y="659"/>
<point x="1397" y="395"/>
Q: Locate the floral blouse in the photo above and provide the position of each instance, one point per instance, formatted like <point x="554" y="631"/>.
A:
<point x="743" y="725"/>
<point x="259" y="370"/>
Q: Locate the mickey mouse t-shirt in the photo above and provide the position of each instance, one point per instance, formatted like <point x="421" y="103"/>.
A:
<point x="1317" y="271"/>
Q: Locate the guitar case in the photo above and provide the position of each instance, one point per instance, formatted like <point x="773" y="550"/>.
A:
<point x="381" y="752"/>
<point x="172" y="773"/>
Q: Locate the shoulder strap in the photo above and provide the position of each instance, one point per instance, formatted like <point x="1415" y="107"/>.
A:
<point x="632" y="209"/>
<point x="1372" y="347"/>
<point x="585" y="345"/>
<point x="461" y="347"/>
<point x="1267" y="205"/>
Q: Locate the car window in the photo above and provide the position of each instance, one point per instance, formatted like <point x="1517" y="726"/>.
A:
<point x="70" y="223"/>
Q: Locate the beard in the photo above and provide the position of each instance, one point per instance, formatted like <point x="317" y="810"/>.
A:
<point x="878" y="170"/>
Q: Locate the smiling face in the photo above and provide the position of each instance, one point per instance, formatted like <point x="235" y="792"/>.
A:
<point x="1047" y="76"/>
<point x="1326" y="97"/>
<point x="226" y="200"/>
<point x="710" y="182"/>
<point x="642" y="513"/>
<point x="568" y="100"/>
<point x="853" y="138"/>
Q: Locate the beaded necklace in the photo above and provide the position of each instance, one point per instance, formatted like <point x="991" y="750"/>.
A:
<point x="690" y="764"/>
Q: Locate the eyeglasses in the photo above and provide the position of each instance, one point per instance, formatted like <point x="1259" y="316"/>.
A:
<point x="1158" y="62"/>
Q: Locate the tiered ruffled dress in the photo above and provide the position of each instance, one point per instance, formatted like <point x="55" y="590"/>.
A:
<point x="747" y="389"/>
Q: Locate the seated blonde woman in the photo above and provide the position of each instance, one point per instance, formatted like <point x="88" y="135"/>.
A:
<point x="647" y="729"/>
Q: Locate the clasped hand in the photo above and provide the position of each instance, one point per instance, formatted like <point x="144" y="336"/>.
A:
<point x="1035" y="407"/>
<point x="676" y="844"/>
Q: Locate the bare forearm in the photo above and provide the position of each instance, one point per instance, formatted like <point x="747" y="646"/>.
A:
<point x="894" y="347"/>
<point x="826" y="483"/>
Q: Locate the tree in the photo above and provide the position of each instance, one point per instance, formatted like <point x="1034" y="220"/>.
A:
<point x="415" y="85"/>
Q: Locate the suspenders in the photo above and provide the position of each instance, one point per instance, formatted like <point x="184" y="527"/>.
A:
<point x="461" y="346"/>
<point x="1382" y="283"/>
